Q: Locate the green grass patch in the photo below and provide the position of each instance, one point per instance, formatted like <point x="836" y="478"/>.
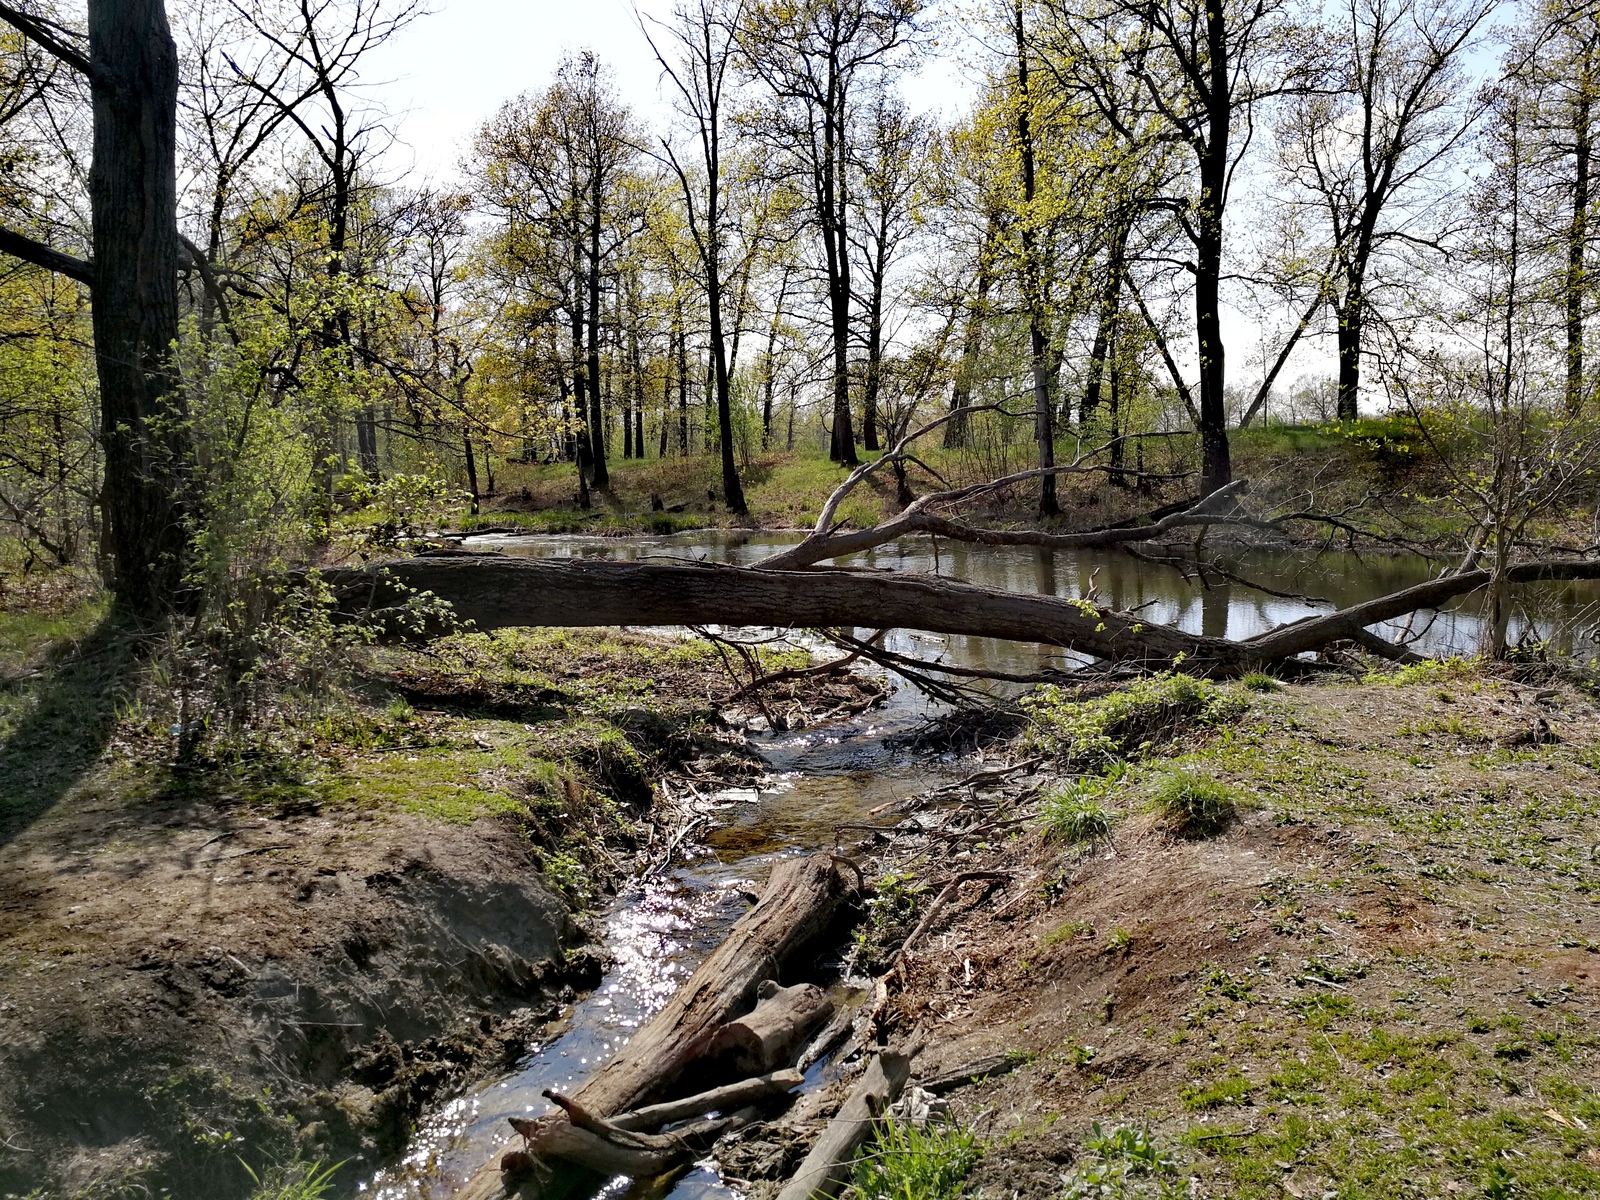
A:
<point x="908" y="1163"/>
<point x="1077" y="815"/>
<point x="1129" y="722"/>
<point x="1193" y="806"/>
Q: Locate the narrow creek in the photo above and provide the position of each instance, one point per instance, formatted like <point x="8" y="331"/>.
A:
<point x="657" y="930"/>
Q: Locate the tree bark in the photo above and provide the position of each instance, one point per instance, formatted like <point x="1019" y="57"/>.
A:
<point x="133" y="196"/>
<point x="1034" y="287"/>
<point x="832" y="1160"/>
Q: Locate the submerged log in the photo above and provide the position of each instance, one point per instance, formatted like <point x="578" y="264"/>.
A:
<point x="832" y="1160"/>
<point x="496" y="591"/>
<point x="803" y="900"/>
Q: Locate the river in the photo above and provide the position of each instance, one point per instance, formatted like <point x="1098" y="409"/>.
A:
<point x="658" y="930"/>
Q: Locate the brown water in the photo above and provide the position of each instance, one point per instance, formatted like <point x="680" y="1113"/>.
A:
<point x="658" y="930"/>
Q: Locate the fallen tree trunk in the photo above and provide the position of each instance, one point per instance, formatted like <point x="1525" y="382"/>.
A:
<point x="497" y="591"/>
<point x="803" y="900"/>
<point x="832" y="1160"/>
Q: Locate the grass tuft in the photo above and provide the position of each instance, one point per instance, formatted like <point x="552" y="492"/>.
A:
<point x="293" y="1180"/>
<point x="908" y="1163"/>
<point x="1194" y="806"/>
<point x="1260" y="681"/>
<point x="1076" y="815"/>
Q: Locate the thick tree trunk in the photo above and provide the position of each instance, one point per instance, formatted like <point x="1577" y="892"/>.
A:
<point x="1349" y="316"/>
<point x="1033" y="286"/>
<point x="133" y="195"/>
<point x="1578" y="236"/>
<point x="1216" y="467"/>
<point x="955" y="432"/>
<point x="498" y="591"/>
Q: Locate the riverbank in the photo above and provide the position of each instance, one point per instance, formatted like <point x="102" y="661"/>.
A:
<point x="1333" y="939"/>
<point x="1379" y="475"/>
<point x="220" y="956"/>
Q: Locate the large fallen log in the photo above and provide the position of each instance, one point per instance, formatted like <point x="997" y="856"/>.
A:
<point x="803" y="901"/>
<point x="497" y="591"/>
<point x="832" y="1160"/>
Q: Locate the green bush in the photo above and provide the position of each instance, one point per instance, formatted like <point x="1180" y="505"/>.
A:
<point x="1098" y="733"/>
<point x="1194" y="806"/>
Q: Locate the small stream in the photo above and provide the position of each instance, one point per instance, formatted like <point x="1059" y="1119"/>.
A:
<point x="658" y="930"/>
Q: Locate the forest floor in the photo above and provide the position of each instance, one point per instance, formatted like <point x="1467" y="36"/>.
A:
<point x="1375" y="975"/>
<point x="286" y="946"/>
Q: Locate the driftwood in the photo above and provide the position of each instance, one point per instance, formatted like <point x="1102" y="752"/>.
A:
<point x="722" y="1099"/>
<point x="983" y="1068"/>
<point x="803" y="900"/>
<point x="832" y="1160"/>
<point x="770" y="1035"/>
<point x="497" y="591"/>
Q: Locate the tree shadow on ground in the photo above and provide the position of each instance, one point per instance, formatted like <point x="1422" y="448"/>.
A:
<point x="68" y="708"/>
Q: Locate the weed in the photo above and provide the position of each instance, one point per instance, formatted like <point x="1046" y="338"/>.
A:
<point x="1231" y="1089"/>
<point x="1194" y="806"/>
<point x="1260" y="681"/>
<point x="293" y="1180"/>
<point x="908" y="1163"/>
<point x="1120" y="942"/>
<point x="1431" y="671"/>
<point x="1126" y="1163"/>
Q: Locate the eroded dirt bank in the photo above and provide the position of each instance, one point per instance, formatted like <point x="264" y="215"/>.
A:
<point x="209" y="967"/>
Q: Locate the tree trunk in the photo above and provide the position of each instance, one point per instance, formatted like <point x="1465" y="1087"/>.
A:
<point x="955" y="431"/>
<point x="1216" y="469"/>
<point x="1577" y="236"/>
<point x="1034" y="287"/>
<point x="498" y="591"/>
<point x="133" y="196"/>
<point x="1110" y="302"/>
<point x="1349" y="316"/>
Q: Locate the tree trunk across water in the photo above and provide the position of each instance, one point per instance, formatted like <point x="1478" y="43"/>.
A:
<point x="498" y="591"/>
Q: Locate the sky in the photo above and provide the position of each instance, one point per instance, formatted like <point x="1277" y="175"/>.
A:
<point x="449" y="70"/>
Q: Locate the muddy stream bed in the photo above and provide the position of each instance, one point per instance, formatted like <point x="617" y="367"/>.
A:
<point x="657" y="929"/>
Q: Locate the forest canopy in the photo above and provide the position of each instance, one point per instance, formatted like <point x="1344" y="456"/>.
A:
<point x="236" y="339"/>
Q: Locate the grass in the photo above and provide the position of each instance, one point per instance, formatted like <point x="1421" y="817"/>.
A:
<point x="1259" y="681"/>
<point x="294" y="1180"/>
<point x="1076" y="815"/>
<point x="908" y="1163"/>
<point x="1123" y="1163"/>
<point x="1193" y="806"/>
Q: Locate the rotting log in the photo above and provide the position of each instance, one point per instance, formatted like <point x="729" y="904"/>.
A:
<point x="831" y="1162"/>
<point x="497" y="591"/>
<point x="803" y="901"/>
<point x="722" y="1099"/>
<point x="771" y="1034"/>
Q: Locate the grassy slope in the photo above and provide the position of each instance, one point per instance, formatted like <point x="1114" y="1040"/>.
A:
<point x="1380" y="982"/>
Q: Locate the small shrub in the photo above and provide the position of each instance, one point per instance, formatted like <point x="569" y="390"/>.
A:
<point x="1076" y="816"/>
<point x="908" y="1163"/>
<point x="1099" y="733"/>
<point x="1260" y="681"/>
<point x="1194" y="806"/>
